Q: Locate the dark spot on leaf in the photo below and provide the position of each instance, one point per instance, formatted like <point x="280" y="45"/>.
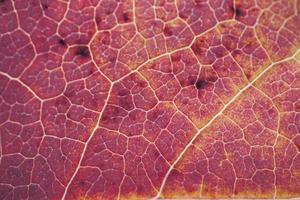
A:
<point x="237" y="11"/>
<point x="62" y="42"/>
<point x="82" y="51"/>
<point x="200" y="84"/>
<point x="126" y="17"/>
<point x="44" y="5"/>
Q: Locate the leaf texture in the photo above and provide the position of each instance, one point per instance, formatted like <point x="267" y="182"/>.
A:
<point x="149" y="99"/>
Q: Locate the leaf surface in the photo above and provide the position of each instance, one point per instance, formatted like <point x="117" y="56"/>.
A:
<point x="142" y="99"/>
